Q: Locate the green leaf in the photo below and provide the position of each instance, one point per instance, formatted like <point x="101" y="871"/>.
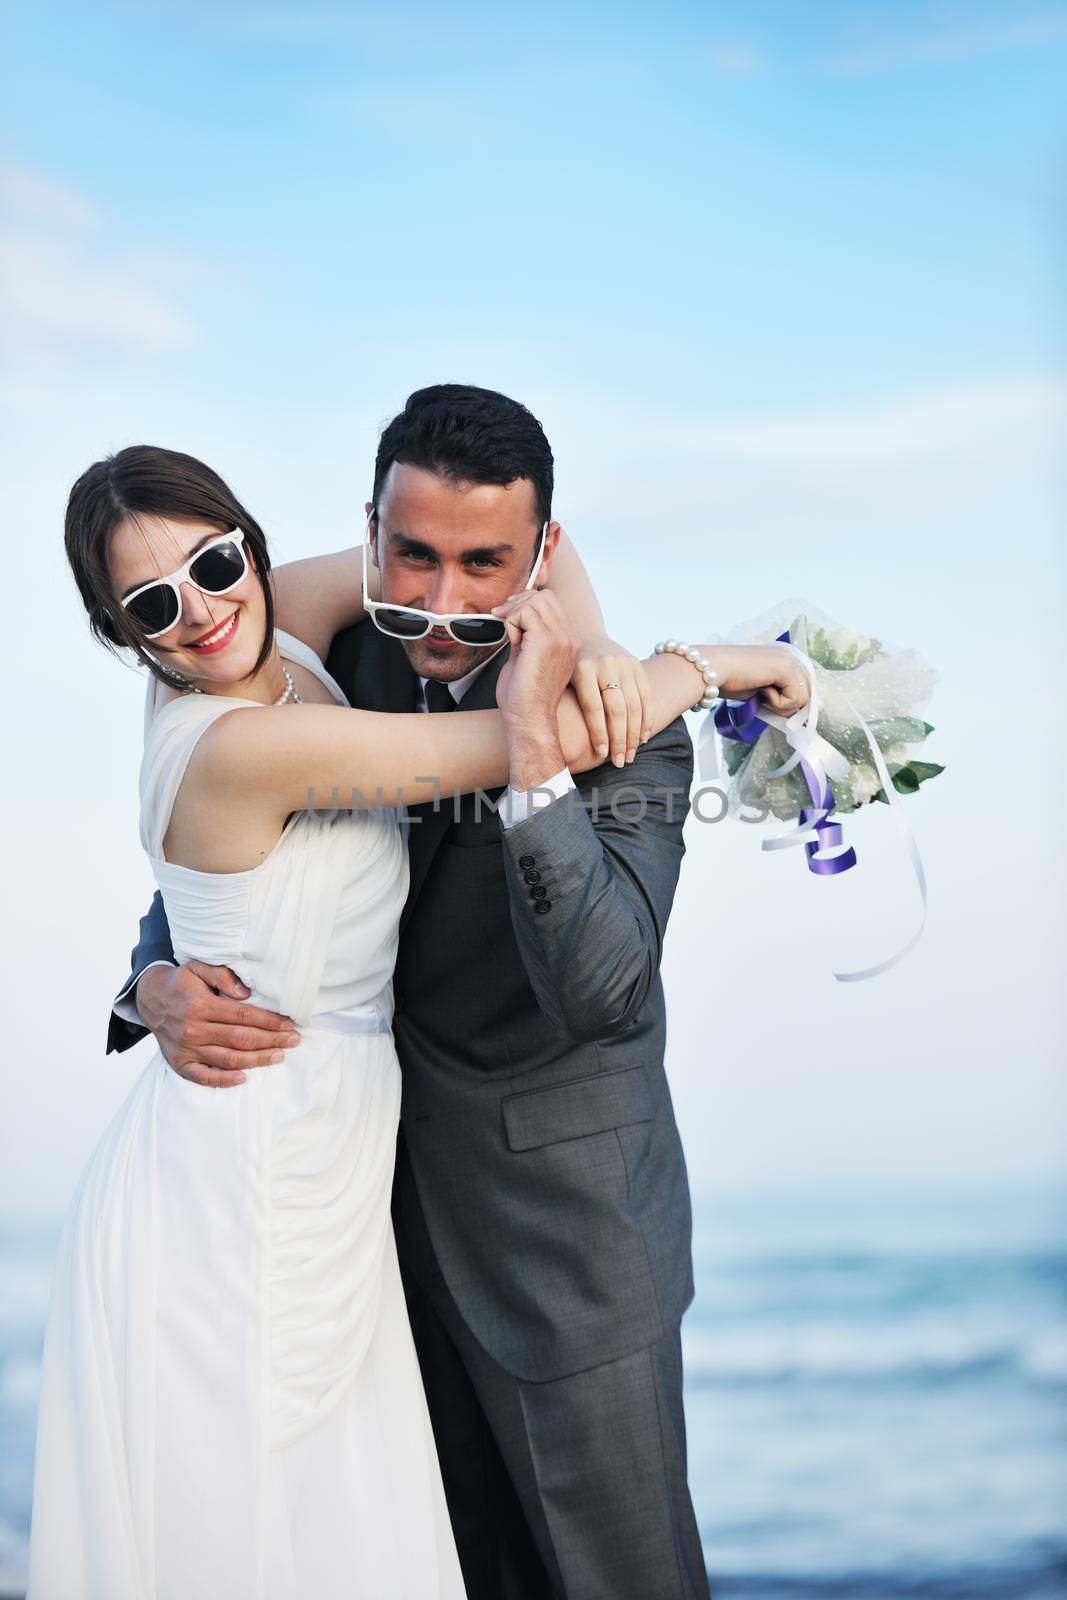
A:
<point x="897" y="730"/>
<point x="906" y="780"/>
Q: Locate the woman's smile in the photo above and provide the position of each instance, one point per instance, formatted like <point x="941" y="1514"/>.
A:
<point x="218" y="638"/>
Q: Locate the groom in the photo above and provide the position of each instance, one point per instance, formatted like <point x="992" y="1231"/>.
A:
<point x="541" y="1206"/>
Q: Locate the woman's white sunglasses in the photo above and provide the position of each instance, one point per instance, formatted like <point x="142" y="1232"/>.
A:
<point x="215" y="569"/>
<point x="466" y="627"/>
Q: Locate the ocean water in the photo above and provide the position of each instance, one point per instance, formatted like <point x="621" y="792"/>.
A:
<point x="876" y="1393"/>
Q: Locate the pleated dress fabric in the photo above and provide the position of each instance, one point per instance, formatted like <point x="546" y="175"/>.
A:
<point x="231" y="1407"/>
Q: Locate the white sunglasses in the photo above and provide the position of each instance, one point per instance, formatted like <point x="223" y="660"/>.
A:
<point x="215" y="569"/>
<point x="466" y="627"/>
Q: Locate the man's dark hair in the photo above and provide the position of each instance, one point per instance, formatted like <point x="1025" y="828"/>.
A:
<point x="468" y="435"/>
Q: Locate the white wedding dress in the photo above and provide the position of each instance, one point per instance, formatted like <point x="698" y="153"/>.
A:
<point x="231" y="1406"/>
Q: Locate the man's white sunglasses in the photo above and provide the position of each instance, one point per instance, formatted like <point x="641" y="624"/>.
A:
<point x="466" y="627"/>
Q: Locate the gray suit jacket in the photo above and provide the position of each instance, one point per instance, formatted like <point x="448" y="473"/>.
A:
<point x="530" y="1028"/>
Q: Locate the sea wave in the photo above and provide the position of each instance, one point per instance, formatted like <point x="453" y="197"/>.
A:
<point x="1043" y="1578"/>
<point x="839" y="1354"/>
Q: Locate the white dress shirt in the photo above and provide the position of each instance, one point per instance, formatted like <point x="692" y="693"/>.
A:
<point x="514" y="807"/>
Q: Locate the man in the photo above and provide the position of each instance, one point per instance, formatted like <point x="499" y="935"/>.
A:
<point x="541" y="1205"/>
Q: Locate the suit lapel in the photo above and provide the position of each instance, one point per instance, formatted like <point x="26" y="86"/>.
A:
<point x="481" y="696"/>
<point x="429" y="824"/>
<point x="384" y="679"/>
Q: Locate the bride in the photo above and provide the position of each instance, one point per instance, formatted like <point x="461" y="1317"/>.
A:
<point x="230" y="1402"/>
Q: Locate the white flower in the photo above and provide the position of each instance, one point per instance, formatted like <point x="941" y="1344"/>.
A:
<point x="840" y="639"/>
<point x="841" y="649"/>
<point x="864" y="782"/>
<point x="896" y="755"/>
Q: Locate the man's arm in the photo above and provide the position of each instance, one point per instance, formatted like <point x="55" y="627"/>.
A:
<point x="591" y="878"/>
<point x="153" y="946"/>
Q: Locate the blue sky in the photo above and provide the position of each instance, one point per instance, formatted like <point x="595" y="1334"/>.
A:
<point x="726" y="205"/>
<point x="784" y="284"/>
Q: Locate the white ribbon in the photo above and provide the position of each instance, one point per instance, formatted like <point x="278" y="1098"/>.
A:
<point x="708" y="750"/>
<point x="803" y="738"/>
<point x="801" y="735"/>
<point x="897" y="808"/>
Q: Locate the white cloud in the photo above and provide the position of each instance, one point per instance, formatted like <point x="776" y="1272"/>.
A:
<point x="50" y="290"/>
<point x="31" y="195"/>
<point x="957" y="459"/>
<point x="955" y="34"/>
<point x="735" y="60"/>
<point x="969" y="421"/>
<point x="62" y="276"/>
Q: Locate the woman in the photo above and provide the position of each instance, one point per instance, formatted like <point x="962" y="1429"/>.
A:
<point x="230" y="1403"/>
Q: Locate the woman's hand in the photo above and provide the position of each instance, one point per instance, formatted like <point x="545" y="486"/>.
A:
<point x="615" y="696"/>
<point x="767" y="669"/>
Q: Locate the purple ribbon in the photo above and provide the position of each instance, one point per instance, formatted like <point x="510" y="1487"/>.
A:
<point x="741" y="720"/>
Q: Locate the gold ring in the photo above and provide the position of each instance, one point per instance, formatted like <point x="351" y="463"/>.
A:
<point x="609" y="685"/>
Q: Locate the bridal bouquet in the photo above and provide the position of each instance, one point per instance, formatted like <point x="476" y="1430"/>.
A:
<point x="853" y="744"/>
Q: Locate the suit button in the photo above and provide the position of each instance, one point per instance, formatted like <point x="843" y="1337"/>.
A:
<point x="542" y="905"/>
<point x="533" y="877"/>
<point x="526" y="862"/>
<point x="538" y="892"/>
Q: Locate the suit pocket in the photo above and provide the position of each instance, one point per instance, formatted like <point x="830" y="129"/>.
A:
<point x="574" y="1110"/>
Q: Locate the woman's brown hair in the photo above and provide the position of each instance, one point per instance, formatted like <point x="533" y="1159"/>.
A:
<point x="144" y="480"/>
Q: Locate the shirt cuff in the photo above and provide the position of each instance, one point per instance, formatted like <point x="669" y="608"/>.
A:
<point x="125" y="1006"/>
<point x="518" y="804"/>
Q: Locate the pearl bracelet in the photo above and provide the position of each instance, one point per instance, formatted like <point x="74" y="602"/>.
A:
<point x="703" y="665"/>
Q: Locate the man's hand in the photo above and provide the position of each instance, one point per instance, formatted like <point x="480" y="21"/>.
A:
<point x="544" y="649"/>
<point x="203" y="1027"/>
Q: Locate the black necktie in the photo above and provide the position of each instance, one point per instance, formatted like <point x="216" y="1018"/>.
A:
<point x="438" y="696"/>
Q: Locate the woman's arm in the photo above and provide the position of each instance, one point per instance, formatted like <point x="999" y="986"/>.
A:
<point x="570" y="583"/>
<point x="619" y="720"/>
<point x="316" y="598"/>
<point x="294" y="758"/>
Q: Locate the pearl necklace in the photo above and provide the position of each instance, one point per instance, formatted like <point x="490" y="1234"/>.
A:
<point x="290" y="692"/>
